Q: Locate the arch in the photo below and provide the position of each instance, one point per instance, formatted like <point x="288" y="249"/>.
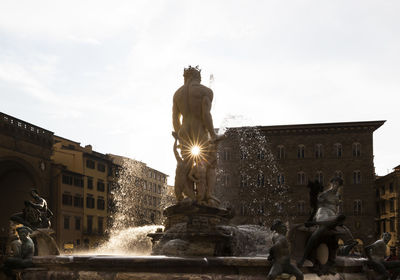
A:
<point x="17" y="177"/>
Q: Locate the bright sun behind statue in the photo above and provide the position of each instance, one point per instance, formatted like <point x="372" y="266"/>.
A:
<point x="195" y="151"/>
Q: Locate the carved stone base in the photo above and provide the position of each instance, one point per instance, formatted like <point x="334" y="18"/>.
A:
<point x="193" y="230"/>
<point x="323" y="255"/>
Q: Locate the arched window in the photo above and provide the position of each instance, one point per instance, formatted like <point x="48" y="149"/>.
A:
<point x="301" y="178"/>
<point x="261" y="154"/>
<point x="281" y="179"/>
<point x="357" y="204"/>
<point x="226" y="180"/>
<point x="357" y="177"/>
<point x="244" y="180"/>
<point x="243" y="154"/>
<point x="319" y="176"/>
<point x="226" y="154"/>
<point x="281" y="152"/>
<point x="301" y="151"/>
<point x="318" y="151"/>
<point x="356" y="149"/>
<point x="338" y="150"/>
<point x="260" y="180"/>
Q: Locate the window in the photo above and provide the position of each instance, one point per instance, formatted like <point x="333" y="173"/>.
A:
<point x="378" y="208"/>
<point x="383" y="190"/>
<point x="356" y="149"/>
<point x="78" y="201"/>
<point x="226" y="154"/>
<point x="357" y="207"/>
<point x="66" y="222"/>
<point x="244" y="181"/>
<point x="391" y="224"/>
<point x="67" y="179"/>
<point x="377" y="192"/>
<point x="391" y="187"/>
<point x="281" y="179"/>
<point x="100" y="222"/>
<point x="261" y="154"/>
<point x="357" y="177"/>
<point x="318" y="151"/>
<point x="90" y="183"/>
<point x="319" y="177"/>
<point x="243" y="154"/>
<point x="301" y="178"/>
<point x="260" y="180"/>
<point x="243" y="209"/>
<point x="67" y="199"/>
<point x="89" y="224"/>
<point x="281" y="152"/>
<point x="78" y="181"/>
<point x="100" y="203"/>
<point x="338" y="150"/>
<point x="301" y="207"/>
<point x="77" y="223"/>
<point x="100" y="185"/>
<point x="226" y="180"/>
<point x="300" y="151"/>
<point x="391" y="203"/>
<point x="90" y="163"/>
<point x="101" y="167"/>
<point x="383" y="207"/>
<point x="89" y="201"/>
<point x="159" y="189"/>
<point x="154" y="201"/>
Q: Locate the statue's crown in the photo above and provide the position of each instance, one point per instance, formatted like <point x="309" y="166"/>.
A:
<point x="192" y="72"/>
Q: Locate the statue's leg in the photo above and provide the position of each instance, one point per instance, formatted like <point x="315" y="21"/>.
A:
<point x="276" y="269"/>
<point x="211" y="178"/>
<point x="201" y="192"/>
<point x="294" y="270"/>
<point x="311" y="242"/>
<point x="188" y="189"/>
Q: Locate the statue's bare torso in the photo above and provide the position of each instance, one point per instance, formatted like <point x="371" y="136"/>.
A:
<point x="192" y="101"/>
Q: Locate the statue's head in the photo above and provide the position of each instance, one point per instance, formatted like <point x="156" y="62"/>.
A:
<point x="386" y="236"/>
<point x="279" y="226"/>
<point x="192" y="73"/>
<point x="337" y="182"/>
<point x="23" y="232"/>
<point x="35" y="193"/>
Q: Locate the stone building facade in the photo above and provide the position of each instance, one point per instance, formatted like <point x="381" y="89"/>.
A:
<point x="297" y="154"/>
<point x="25" y="163"/>
<point x="387" y="207"/>
<point x="81" y="178"/>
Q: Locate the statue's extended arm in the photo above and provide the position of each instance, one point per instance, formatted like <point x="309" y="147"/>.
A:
<point x="207" y="118"/>
<point x="176" y="117"/>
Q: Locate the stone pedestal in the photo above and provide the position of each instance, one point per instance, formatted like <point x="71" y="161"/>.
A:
<point x="193" y="230"/>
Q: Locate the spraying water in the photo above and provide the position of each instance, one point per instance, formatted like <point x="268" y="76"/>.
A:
<point x="129" y="241"/>
<point x="128" y="233"/>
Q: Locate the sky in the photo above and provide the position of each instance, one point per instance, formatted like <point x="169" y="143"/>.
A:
<point x="104" y="72"/>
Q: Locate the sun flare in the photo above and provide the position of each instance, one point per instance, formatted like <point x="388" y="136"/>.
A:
<point x="195" y="151"/>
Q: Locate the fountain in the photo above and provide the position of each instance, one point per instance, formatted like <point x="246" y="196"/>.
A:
<point x="197" y="241"/>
